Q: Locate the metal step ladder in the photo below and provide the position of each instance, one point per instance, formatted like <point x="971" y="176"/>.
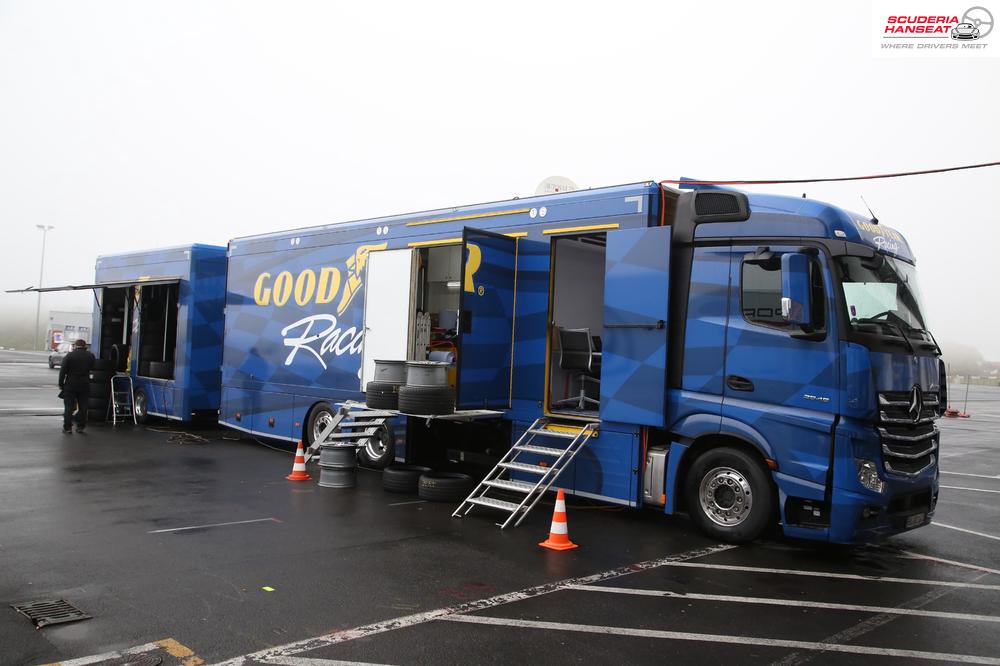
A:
<point x="574" y="437"/>
<point x="353" y="423"/>
<point x="122" y="399"/>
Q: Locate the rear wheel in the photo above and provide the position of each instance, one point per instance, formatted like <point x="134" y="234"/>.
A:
<point x="729" y="495"/>
<point x="444" y="486"/>
<point x="321" y="417"/>
<point x="140" y="406"/>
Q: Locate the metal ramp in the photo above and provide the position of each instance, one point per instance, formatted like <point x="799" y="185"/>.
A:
<point x="353" y="423"/>
<point x="575" y="438"/>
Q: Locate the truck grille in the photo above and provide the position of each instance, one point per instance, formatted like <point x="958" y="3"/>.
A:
<point x="909" y="440"/>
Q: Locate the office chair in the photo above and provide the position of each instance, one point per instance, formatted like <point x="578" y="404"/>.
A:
<point x="576" y="353"/>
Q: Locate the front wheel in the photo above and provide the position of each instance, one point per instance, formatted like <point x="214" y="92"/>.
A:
<point x="728" y="495"/>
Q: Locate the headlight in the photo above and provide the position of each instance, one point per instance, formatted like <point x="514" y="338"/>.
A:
<point x="868" y="475"/>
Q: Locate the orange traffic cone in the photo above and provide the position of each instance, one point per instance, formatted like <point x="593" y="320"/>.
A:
<point x="299" y="472"/>
<point x="559" y="532"/>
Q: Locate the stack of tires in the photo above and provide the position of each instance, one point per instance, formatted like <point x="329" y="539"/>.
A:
<point x="426" y="483"/>
<point x="100" y="390"/>
<point x="426" y="391"/>
<point x="383" y="391"/>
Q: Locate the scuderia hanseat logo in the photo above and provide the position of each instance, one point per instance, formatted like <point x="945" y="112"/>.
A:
<point x="932" y="27"/>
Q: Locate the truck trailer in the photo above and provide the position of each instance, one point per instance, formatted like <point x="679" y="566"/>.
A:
<point x="158" y="320"/>
<point x="749" y="359"/>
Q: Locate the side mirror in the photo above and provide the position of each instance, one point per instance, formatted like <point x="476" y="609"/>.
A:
<point x="795" y="289"/>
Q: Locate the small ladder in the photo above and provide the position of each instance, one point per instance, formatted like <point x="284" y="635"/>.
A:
<point x="353" y="423"/>
<point x="122" y="399"/>
<point x="499" y="476"/>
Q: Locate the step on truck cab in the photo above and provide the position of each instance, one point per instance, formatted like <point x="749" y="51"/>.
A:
<point x="749" y="359"/>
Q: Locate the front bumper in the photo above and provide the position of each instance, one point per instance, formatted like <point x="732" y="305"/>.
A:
<point x="859" y="517"/>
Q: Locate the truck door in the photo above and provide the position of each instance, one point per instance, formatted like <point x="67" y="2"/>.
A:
<point x="778" y="382"/>
<point x="486" y="319"/>
<point x="634" y="350"/>
<point x="389" y="309"/>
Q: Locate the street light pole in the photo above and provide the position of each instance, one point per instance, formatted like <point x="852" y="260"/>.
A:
<point x="41" y="271"/>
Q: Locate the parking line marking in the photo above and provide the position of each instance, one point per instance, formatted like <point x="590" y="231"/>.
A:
<point x="843" y="576"/>
<point x="720" y="638"/>
<point x="962" y="529"/>
<point x="978" y="476"/>
<point x="201" y="527"/>
<point x="343" y="636"/>
<point x="96" y="658"/>
<point x="313" y="661"/>
<point x="411" y="502"/>
<point x="907" y="554"/>
<point x="769" y="601"/>
<point x="978" y="490"/>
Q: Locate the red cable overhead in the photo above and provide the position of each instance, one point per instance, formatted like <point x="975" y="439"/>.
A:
<point x="792" y="181"/>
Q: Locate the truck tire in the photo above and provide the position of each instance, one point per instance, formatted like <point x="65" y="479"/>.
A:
<point x="403" y="478"/>
<point x="98" y="402"/>
<point x="98" y="415"/>
<point x="382" y="395"/>
<point x="379" y="450"/>
<point x="119" y="357"/>
<point x="140" y="406"/>
<point x="320" y="416"/>
<point x="729" y="495"/>
<point x="104" y="365"/>
<point x="161" y="370"/>
<point x="101" y="376"/>
<point x="426" y="399"/>
<point x="444" y="486"/>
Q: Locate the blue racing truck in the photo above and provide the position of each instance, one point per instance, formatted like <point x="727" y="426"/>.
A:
<point x="158" y="320"/>
<point x="748" y="359"/>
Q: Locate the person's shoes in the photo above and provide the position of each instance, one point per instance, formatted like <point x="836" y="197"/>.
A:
<point x="80" y="428"/>
<point x="67" y="431"/>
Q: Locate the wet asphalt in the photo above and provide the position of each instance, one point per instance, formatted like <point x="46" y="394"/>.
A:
<point x="102" y="520"/>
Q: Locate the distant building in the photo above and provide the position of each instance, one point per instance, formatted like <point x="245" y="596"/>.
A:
<point x="67" y="326"/>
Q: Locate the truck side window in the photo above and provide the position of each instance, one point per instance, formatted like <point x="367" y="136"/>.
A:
<point x="761" y="293"/>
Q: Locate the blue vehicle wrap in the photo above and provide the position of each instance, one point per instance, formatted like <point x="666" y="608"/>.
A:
<point x="200" y="272"/>
<point x="688" y="362"/>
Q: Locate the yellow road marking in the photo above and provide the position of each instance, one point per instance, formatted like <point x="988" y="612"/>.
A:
<point x="182" y="652"/>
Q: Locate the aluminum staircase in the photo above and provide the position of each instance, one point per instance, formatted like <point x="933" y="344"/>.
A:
<point x="353" y="423"/>
<point x="574" y="437"/>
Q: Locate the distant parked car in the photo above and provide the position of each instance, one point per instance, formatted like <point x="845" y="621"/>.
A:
<point x="57" y="355"/>
<point x="965" y="31"/>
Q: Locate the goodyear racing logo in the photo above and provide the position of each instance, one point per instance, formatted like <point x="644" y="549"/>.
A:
<point x="318" y="334"/>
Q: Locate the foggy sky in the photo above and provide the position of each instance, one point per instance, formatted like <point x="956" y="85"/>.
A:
<point x="130" y="125"/>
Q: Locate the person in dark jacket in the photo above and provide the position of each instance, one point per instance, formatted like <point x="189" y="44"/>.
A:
<point x="74" y="385"/>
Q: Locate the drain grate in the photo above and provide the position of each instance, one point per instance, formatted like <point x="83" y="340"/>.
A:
<point x="44" y="613"/>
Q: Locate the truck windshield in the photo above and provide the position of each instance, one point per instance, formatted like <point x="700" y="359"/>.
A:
<point x="881" y="289"/>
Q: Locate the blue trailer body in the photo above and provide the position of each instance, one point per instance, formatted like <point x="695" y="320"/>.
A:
<point x="199" y="272"/>
<point x="686" y="365"/>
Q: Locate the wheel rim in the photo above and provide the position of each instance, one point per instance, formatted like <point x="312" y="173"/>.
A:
<point x="725" y="496"/>
<point x="140" y="405"/>
<point x="321" y="423"/>
<point x="376" y="445"/>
